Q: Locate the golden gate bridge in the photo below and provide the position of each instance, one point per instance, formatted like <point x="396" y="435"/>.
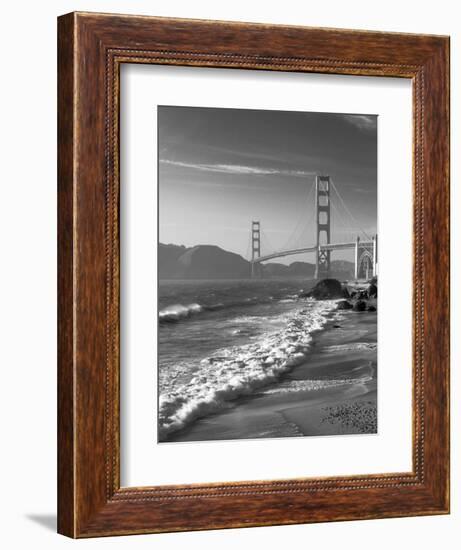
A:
<point x="365" y="249"/>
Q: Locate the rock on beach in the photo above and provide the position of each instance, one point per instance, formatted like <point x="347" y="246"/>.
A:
<point x="344" y="304"/>
<point x="360" y="305"/>
<point x="326" y="289"/>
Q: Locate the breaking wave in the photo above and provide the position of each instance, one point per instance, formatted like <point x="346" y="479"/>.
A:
<point x="176" y="312"/>
<point x="179" y="312"/>
<point x="237" y="371"/>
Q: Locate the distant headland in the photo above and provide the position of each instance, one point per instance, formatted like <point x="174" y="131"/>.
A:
<point x="212" y="262"/>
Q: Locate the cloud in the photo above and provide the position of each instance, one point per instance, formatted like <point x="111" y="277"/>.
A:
<point x="366" y="123"/>
<point x="237" y="169"/>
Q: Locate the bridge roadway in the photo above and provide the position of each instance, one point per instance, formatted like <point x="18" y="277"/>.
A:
<point x="323" y="247"/>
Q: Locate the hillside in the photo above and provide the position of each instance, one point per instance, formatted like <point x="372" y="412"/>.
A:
<point x="212" y="262"/>
<point x="200" y="262"/>
<point x="342" y="269"/>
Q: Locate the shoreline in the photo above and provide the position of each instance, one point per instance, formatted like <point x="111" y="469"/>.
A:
<point x="333" y="392"/>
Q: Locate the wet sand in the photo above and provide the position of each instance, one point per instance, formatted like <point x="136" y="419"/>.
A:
<point x="334" y="392"/>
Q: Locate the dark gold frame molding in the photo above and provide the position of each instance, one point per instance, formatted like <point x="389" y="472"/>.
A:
<point x="91" y="48"/>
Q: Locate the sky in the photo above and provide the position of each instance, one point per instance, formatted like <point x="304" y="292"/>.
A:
<point x="219" y="169"/>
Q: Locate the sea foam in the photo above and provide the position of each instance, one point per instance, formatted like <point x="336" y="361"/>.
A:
<point x="237" y="371"/>
<point x="177" y="312"/>
<point x="296" y="386"/>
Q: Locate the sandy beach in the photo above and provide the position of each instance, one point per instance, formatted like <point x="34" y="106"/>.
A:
<point x="333" y="392"/>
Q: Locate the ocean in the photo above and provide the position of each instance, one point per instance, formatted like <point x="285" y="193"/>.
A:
<point x="220" y="340"/>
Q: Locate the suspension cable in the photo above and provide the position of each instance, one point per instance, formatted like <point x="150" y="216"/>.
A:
<point x="300" y="221"/>
<point x="266" y="242"/>
<point x="346" y="229"/>
<point x="348" y="211"/>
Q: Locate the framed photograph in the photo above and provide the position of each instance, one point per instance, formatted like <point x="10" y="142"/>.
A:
<point x="230" y="198"/>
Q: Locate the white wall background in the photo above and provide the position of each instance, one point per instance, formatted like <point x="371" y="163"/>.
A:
<point x="28" y="272"/>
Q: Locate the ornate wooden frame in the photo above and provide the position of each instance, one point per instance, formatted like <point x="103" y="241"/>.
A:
<point x="91" y="49"/>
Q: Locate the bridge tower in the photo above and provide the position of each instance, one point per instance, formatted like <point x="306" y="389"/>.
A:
<point x="375" y="256"/>
<point x="255" y="248"/>
<point x="366" y="258"/>
<point x="322" y="216"/>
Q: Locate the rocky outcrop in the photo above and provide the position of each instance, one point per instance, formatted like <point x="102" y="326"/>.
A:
<point x="326" y="289"/>
<point x="360" y="305"/>
<point x="344" y="304"/>
<point x="373" y="290"/>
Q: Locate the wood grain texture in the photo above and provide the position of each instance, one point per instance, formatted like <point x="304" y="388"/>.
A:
<point x="65" y="277"/>
<point x="91" y="49"/>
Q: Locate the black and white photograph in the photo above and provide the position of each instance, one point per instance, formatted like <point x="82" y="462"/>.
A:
<point x="200" y="202"/>
<point x="268" y="274"/>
